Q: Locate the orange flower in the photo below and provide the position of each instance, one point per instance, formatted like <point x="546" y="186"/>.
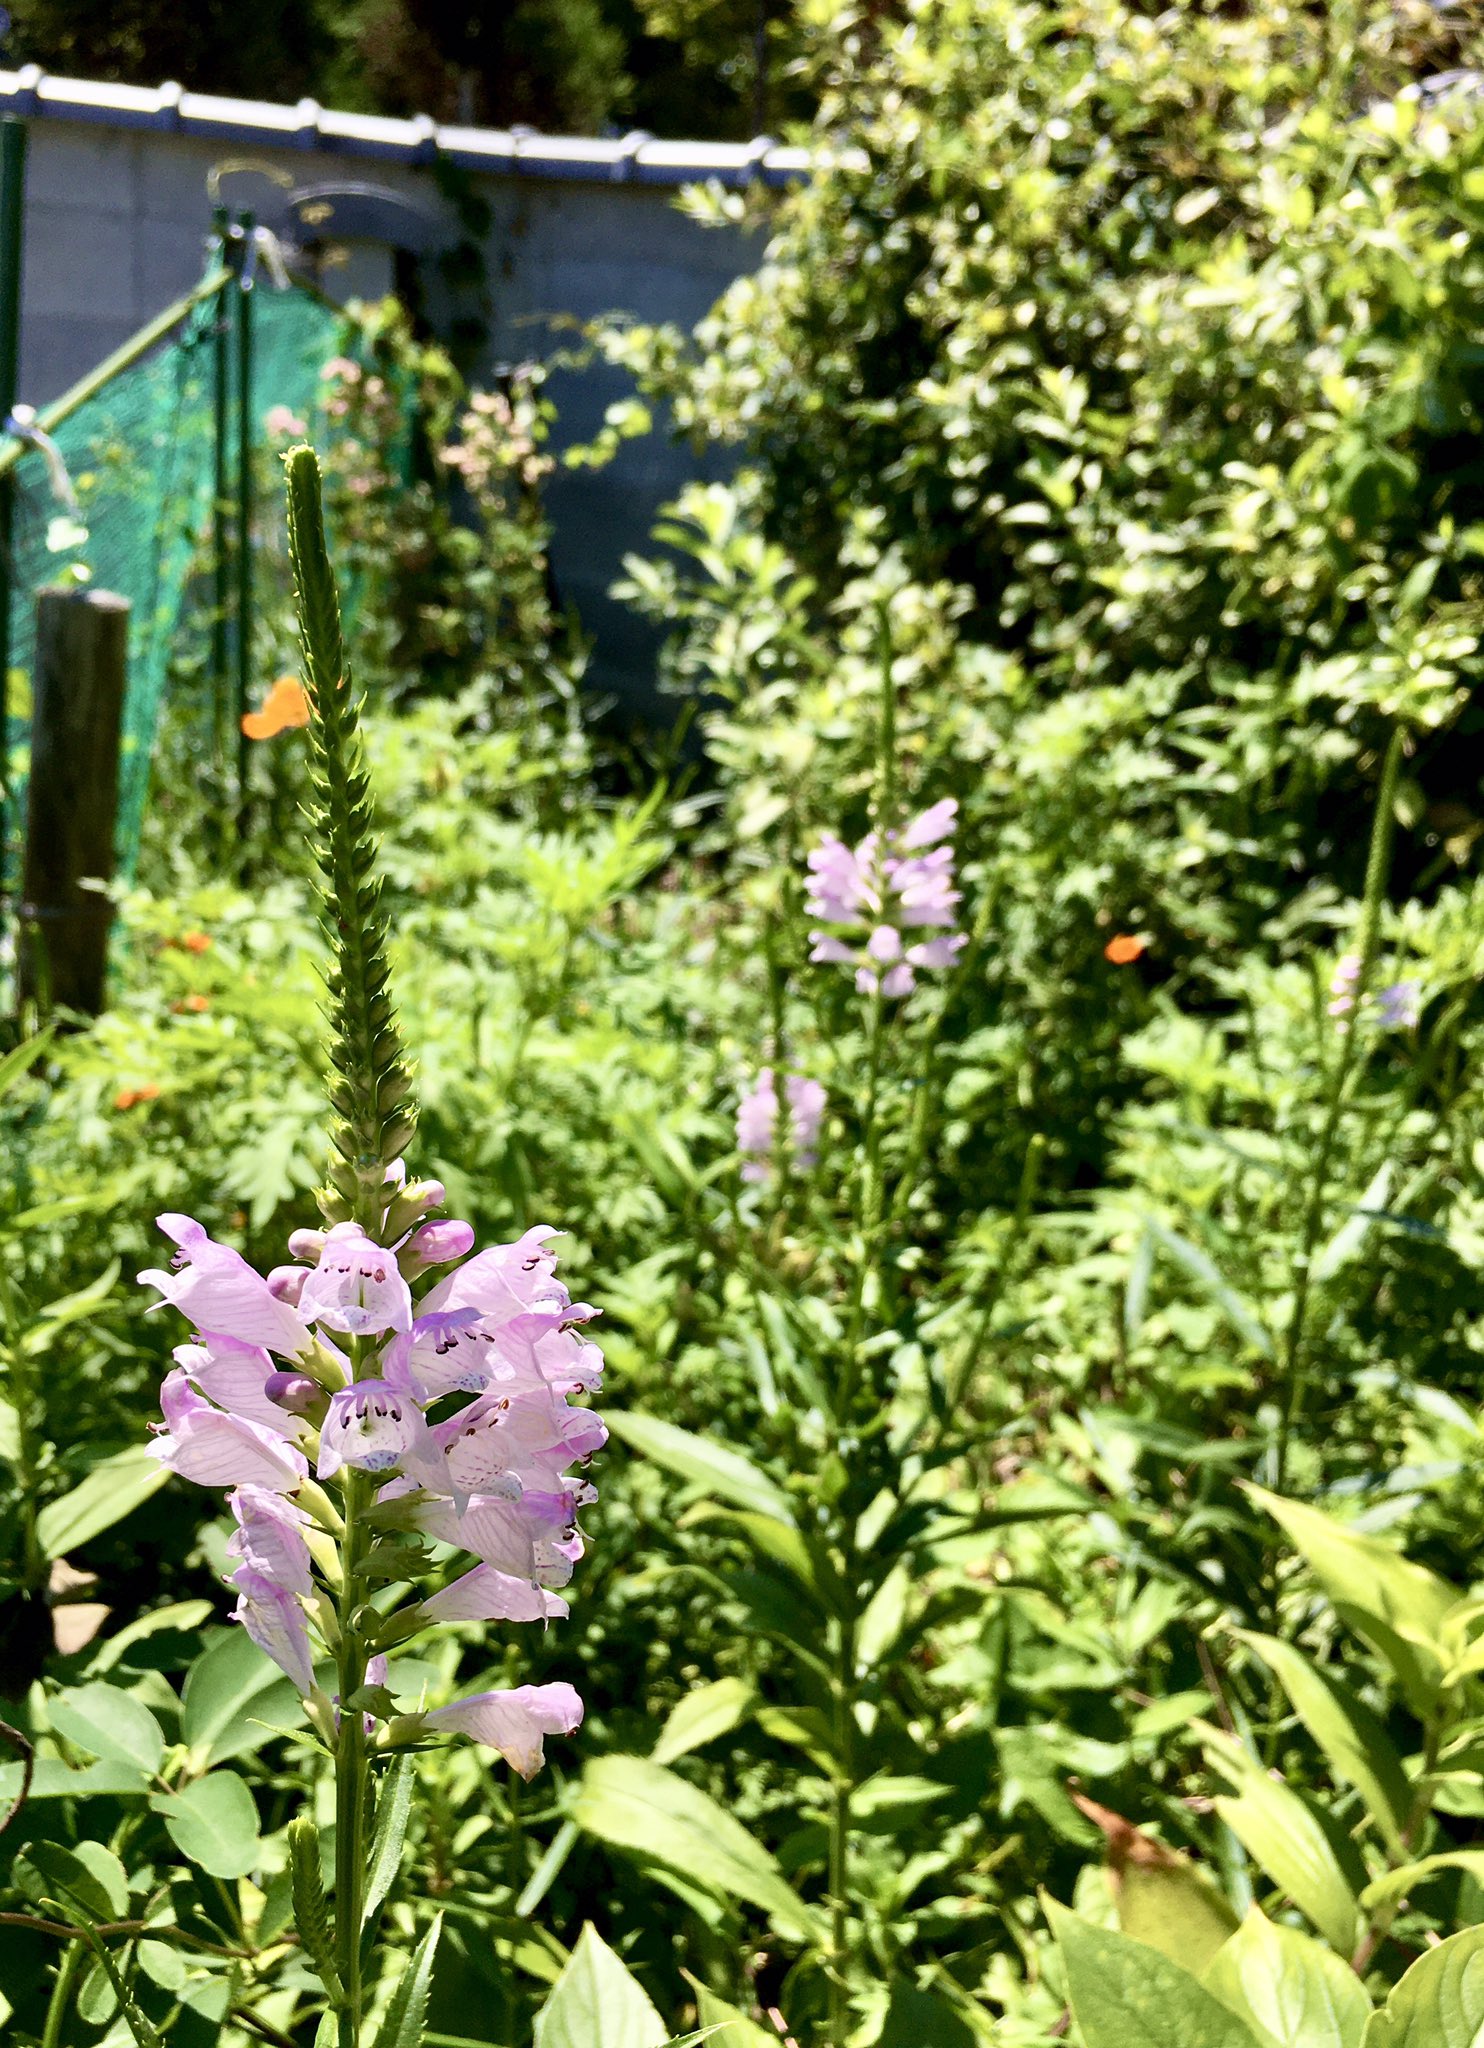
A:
<point x="194" y="1003"/>
<point x="1123" y="947"/>
<point x="285" y="707"/>
<point x="197" y="942"/>
<point x="128" y="1097"/>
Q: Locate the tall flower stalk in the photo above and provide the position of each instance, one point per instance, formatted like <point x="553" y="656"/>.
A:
<point x="354" y="1424"/>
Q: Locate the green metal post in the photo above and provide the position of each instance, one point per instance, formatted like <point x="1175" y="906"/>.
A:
<point x="242" y="300"/>
<point x="221" y="510"/>
<point x="13" y="135"/>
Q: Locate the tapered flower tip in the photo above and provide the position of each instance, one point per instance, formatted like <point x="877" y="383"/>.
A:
<point x="515" y="1723"/>
<point x="214" y="1449"/>
<point x="221" y="1293"/>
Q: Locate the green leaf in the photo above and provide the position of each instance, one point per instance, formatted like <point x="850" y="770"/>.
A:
<point x="231" y="1692"/>
<point x="52" y="1779"/>
<point x="728" y="2028"/>
<point x="214" y="1823"/>
<point x="70" y="1308"/>
<point x="1396" y="1884"/>
<point x="393" y="1808"/>
<point x="1125" y="1995"/>
<point x="10" y="1433"/>
<point x="89" y="1882"/>
<point x="114" y="1488"/>
<point x="403" y="2025"/>
<point x="1396" y="1606"/>
<point x="1285" y="1837"/>
<point x="635" y="1804"/>
<point x="718" y="1470"/>
<point x="183" y="1615"/>
<point x="1164" y="1900"/>
<point x="110" y="1723"/>
<point x="596" y="2003"/>
<point x="1439" y="2003"/>
<point x="709" y="1711"/>
<point x="1292" y="1991"/>
<point x="1200" y="1268"/>
<point x="1357" y="1747"/>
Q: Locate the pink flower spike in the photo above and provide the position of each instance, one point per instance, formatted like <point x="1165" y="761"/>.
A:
<point x="935" y="823"/>
<point x="213" y="1449"/>
<point x="234" y="1376"/>
<point x="275" y="1621"/>
<point x="486" y="1594"/>
<point x="898" y="981"/>
<point x="221" y="1293"/>
<point x="270" y="1537"/>
<point x="515" y="1723"/>
<point x="356" y="1287"/>
<point x="372" y="1427"/>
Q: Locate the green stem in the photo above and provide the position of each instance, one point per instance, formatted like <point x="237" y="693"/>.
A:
<point x="61" y="1997"/>
<point x="350" y="1777"/>
<point x="840" y="1818"/>
<point x="1294" y="1361"/>
<point x="868" y="1217"/>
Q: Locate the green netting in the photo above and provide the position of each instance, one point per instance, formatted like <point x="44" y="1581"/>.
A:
<point x="141" y="453"/>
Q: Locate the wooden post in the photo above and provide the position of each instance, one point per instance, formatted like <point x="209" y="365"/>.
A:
<point x="72" y="800"/>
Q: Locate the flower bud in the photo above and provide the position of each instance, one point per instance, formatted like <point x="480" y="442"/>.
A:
<point x="286" y="1283"/>
<point x="293" y="1391"/>
<point x="435" y="1244"/>
<point x="307" y="1245"/>
<point x="410" y="1204"/>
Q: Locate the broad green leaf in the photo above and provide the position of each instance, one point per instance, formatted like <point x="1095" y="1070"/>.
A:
<point x="1358" y="1749"/>
<point x="716" y="1468"/>
<point x="1439" y="2003"/>
<point x="726" y="2027"/>
<point x="709" y="1711"/>
<point x="110" y="1873"/>
<point x="1397" y="1883"/>
<point x="1285" y="1838"/>
<point x="113" y="1489"/>
<point x="1173" y="1907"/>
<point x="597" y="2004"/>
<point x="1291" y="1990"/>
<point x="638" y="1805"/>
<point x="1396" y="1606"/>
<point x="231" y="1692"/>
<point x="403" y="2025"/>
<point x="71" y="1308"/>
<point x="10" y="1433"/>
<point x="885" y="1617"/>
<point x="914" y="2018"/>
<point x="52" y="1779"/>
<point x="214" y="1823"/>
<point x="88" y="1887"/>
<point x="181" y="1614"/>
<point x="1125" y="1995"/>
<point x="110" y="1723"/>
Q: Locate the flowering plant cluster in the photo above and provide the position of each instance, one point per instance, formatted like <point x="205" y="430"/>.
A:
<point x="1398" y="1006"/>
<point x="758" y="1123"/>
<point x="894" y="882"/>
<point x="326" y="1368"/>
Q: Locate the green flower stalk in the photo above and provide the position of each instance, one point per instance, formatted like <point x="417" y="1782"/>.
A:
<point x="371" y="1092"/>
<point x="356" y="1424"/>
